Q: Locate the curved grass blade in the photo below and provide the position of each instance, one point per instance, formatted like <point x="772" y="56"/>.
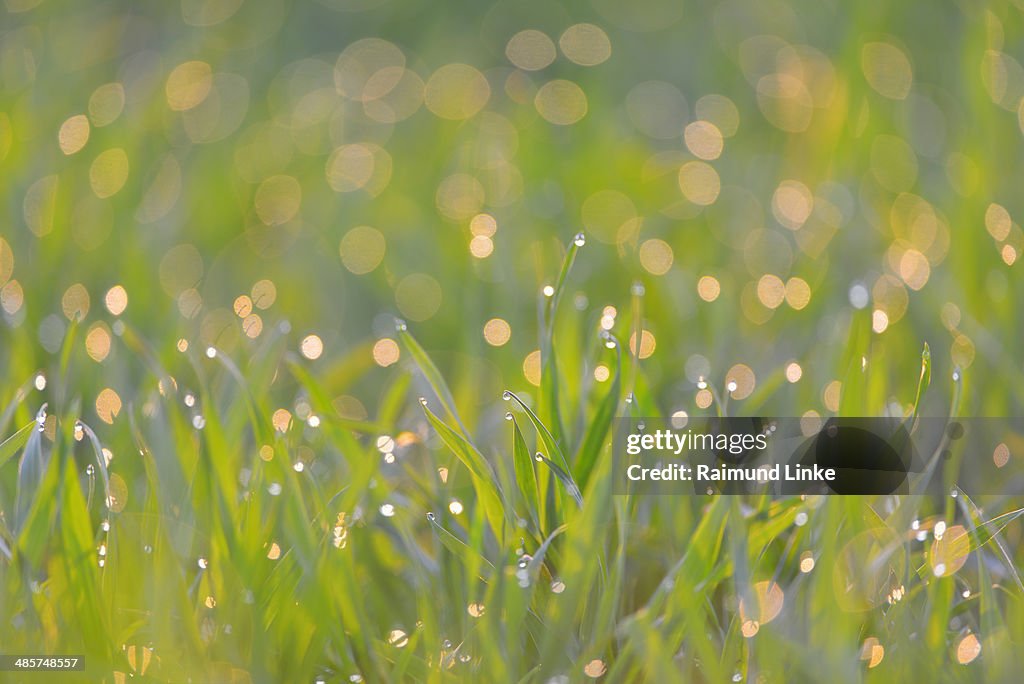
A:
<point x="101" y="461"/>
<point x="526" y="478"/>
<point x="459" y="548"/>
<point x="923" y="382"/>
<point x="565" y="478"/>
<point x="549" y="365"/>
<point x="593" y="442"/>
<point x="484" y="481"/>
<point x="545" y="435"/>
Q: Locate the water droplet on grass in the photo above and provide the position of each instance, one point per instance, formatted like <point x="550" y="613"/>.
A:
<point x="508" y="415"/>
<point x="190" y="400"/>
<point x="548" y="291"/>
<point x="202" y="563"/>
<point x="40" y="382"/>
<point x="557" y="586"/>
<point x="430" y="516"/>
<point x="387" y="510"/>
<point x="400" y="325"/>
<point x="211" y="353"/>
<point x="198" y="422"/>
<point x="580" y="239"/>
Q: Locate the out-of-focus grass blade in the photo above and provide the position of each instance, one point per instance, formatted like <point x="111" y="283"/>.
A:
<point x="431" y="375"/>
<point x="36" y="500"/>
<point x="565" y="478"/>
<point x="10" y="446"/>
<point x="31" y="468"/>
<point x="853" y="397"/>
<point x="923" y="381"/>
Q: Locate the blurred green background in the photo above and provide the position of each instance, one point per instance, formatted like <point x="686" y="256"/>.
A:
<point x="784" y="201"/>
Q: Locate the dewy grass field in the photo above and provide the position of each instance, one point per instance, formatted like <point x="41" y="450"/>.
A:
<point x="316" y="318"/>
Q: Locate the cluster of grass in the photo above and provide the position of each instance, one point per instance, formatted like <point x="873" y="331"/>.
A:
<point x="188" y="493"/>
<point x="204" y="550"/>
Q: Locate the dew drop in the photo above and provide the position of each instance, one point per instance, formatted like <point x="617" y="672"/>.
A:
<point x="313" y="421"/>
<point x="557" y="586"/>
<point x="211" y="353"/>
<point x="105" y="525"/>
<point x="389" y="458"/>
<point x="400" y="325"/>
<point x="198" y="422"/>
<point x="548" y="291"/>
<point x="580" y="239"/>
<point x="430" y="516"/>
<point x="387" y="510"/>
<point x="299" y="466"/>
<point x="508" y="415"/>
<point x="506" y="395"/>
<point x="940" y="529"/>
<point x="915" y="525"/>
<point x="940" y="569"/>
<point x="638" y="289"/>
<point x="202" y="563"/>
<point x="190" y="400"/>
<point x="79" y="431"/>
<point x="423" y="401"/>
<point x="355" y="678"/>
<point x="40" y="382"/>
<point x="465" y="658"/>
<point x="274" y="488"/>
<point x="956" y="375"/>
<point x="539" y="457"/>
<point x="446" y="644"/>
<point x="147" y="549"/>
<point x="954" y="492"/>
<point x="731" y="386"/>
<point x="701" y="383"/>
<point x="737" y="677"/>
<point x="89" y="470"/>
<point x="801" y="519"/>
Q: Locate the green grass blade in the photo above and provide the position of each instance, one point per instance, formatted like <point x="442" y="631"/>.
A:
<point x="10" y="446"/>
